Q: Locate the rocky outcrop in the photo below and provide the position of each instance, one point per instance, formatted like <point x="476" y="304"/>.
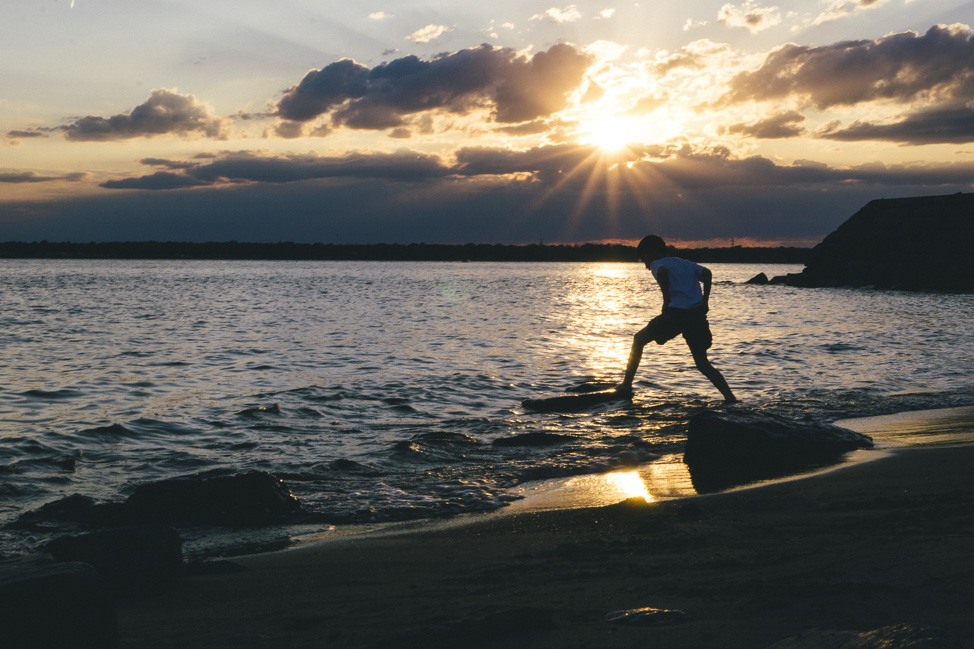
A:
<point x="243" y="500"/>
<point x="916" y="244"/>
<point x="47" y="605"/>
<point x="733" y="448"/>
<point x="250" y="499"/>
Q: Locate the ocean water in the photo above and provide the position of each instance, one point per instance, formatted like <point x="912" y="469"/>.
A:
<point x="376" y="391"/>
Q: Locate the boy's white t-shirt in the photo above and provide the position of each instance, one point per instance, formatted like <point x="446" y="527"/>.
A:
<point x="685" y="278"/>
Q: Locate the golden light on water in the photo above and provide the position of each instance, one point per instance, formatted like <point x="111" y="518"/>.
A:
<point x="599" y="318"/>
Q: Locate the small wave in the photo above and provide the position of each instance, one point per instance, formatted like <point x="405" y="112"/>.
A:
<point x="533" y="439"/>
<point x="260" y="411"/>
<point x="445" y="438"/>
<point x="51" y="395"/>
<point x="343" y="465"/>
<point x="113" y="431"/>
<point x="840" y="348"/>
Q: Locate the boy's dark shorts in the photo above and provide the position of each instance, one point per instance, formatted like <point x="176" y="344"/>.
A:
<point x="692" y="323"/>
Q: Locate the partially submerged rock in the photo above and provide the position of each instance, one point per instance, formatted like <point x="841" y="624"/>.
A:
<point x="250" y="499"/>
<point x="732" y="448"/>
<point x="243" y="500"/>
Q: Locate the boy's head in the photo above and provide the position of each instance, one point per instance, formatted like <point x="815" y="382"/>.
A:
<point x="651" y="247"/>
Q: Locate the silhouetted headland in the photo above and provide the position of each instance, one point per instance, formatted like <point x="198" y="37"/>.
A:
<point x="914" y="244"/>
<point x="229" y="250"/>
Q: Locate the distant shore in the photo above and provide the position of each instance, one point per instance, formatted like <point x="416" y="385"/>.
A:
<point x="234" y="250"/>
<point x="873" y="546"/>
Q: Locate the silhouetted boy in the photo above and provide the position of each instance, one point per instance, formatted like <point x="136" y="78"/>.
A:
<point x="685" y="308"/>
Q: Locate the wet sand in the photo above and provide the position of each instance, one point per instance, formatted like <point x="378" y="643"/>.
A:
<point x="871" y="545"/>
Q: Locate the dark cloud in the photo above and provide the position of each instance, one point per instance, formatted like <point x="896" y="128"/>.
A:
<point x="25" y="135"/>
<point x="953" y="125"/>
<point x="166" y="164"/>
<point x="20" y="177"/>
<point x="782" y="125"/>
<point x="254" y="168"/>
<point x="158" y="180"/>
<point x="938" y="65"/>
<point x="559" y="193"/>
<point x="518" y="88"/>
<point x="164" y="112"/>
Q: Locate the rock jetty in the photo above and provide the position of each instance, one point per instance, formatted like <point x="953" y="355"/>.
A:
<point x="914" y="244"/>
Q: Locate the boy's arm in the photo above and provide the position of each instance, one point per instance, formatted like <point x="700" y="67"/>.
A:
<point x="663" y="279"/>
<point x="706" y="278"/>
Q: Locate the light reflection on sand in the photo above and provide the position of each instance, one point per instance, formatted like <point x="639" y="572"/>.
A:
<point x="940" y="426"/>
<point x="664" y="479"/>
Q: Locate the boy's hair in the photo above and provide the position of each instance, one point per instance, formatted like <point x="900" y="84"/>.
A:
<point x="651" y="245"/>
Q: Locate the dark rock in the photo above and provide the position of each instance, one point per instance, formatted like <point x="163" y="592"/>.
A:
<point x="917" y="244"/>
<point x="126" y="556"/>
<point x="249" y="499"/>
<point x="759" y="279"/>
<point x="74" y="509"/>
<point x="48" y="605"/>
<point x="732" y="448"/>
<point x="899" y="636"/>
<point x="647" y="617"/>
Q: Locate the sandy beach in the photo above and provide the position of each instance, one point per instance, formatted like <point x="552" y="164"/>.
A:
<point x="879" y="543"/>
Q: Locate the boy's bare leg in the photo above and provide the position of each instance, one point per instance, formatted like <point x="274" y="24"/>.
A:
<point x="635" y="355"/>
<point x="707" y="369"/>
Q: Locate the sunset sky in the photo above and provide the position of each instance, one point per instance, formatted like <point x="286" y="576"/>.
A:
<point x="767" y="121"/>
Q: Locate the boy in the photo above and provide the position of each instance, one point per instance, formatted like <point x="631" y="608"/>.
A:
<point x="685" y="308"/>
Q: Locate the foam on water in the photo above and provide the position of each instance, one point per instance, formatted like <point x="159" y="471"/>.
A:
<point x="392" y="391"/>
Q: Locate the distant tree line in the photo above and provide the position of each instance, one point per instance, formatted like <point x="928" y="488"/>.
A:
<point x="234" y="250"/>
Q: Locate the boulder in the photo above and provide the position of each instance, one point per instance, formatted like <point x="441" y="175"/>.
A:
<point x="760" y="279"/>
<point x="48" y="605"/>
<point x="248" y="499"/>
<point x="725" y="449"/>
<point x="917" y="244"/>
<point x="130" y="556"/>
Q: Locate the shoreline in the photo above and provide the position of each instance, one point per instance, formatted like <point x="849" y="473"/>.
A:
<point x="868" y="546"/>
<point x="667" y="478"/>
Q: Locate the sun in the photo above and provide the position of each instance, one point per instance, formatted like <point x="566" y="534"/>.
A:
<point x="614" y="133"/>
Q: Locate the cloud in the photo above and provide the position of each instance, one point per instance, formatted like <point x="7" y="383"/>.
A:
<point x="558" y="15"/>
<point x="492" y="195"/>
<point x="749" y="15"/>
<point x="427" y="34"/>
<point x="22" y="177"/>
<point x="247" y="167"/>
<point x="901" y="67"/>
<point x="517" y="87"/>
<point x="949" y="124"/>
<point x="380" y="15"/>
<point x="164" y="112"/>
<point x="782" y="125"/>
<point x="25" y="135"/>
<point x="158" y="180"/>
<point x="839" y="9"/>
